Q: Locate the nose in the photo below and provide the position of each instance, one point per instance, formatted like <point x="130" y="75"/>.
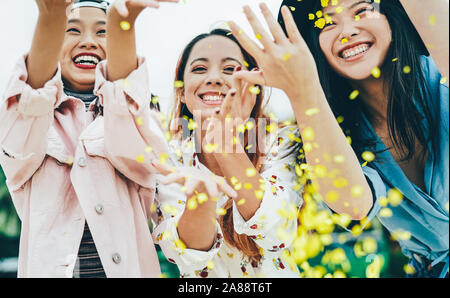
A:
<point x="349" y="30"/>
<point x="88" y="42"/>
<point x="214" y="77"/>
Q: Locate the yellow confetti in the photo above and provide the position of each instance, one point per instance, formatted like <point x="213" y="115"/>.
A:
<point x="179" y="244"/>
<point x="395" y="59"/>
<point x="376" y="72"/>
<point x="139" y="121"/>
<point x="125" y="25"/>
<point x="248" y="185"/>
<point x="292" y="8"/>
<point x="148" y="149"/>
<point x="286" y="57"/>
<point x="163" y="158"/>
<point x="308" y="134"/>
<point x="395" y="197"/>
<point x="312" y="111"/>
<point x="357" y="191"/>
<point x="354" y="94"/>
<point x="443" y="80"/>
<point x="311" y="16"/>
<point x="320" y="23"/>
<point x="179" y="84"/>
<point x="259" y="194"/>
<point x="406" y="69"/>
<point x="221" y="211"/>
<point x="339" y="158"/>
<point x="140" y="158"/>
<point x="339" y="9"/>
<point x="241" y="202"/>
<point x="250" y="172"/>
<point x="369" y="245"/>
<point x="386" y="212"/>
<point x="202" y="197"/>
<point x="332" y="196"/>
<point x="211" y="147"/>
<point x="368" y="156"/>
<point x="409" y="269"/>
<point x="344" y="40"/>
<point x="432" y="19"/>
<point x="254" y="90"/>
<point x="340" y="182"/>
<point x="192" y="203"/>
<point x="319" y="13"/>
<point x="210" y="265"/>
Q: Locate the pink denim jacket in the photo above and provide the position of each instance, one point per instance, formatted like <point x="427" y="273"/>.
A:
<point x="63" y="167"/>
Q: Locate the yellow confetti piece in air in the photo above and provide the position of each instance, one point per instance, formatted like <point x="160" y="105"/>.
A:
<point x="400" y="235"/>
<point x="409" y="269"/>
<point x="292" y="8"/>
<point x="406" y="69"/>
<point x="234" y="180"/>
<point x="344" y="40"/>
<point x="286" y="57"/>
<point x="432" y="19"/>
<point x="163" y="158"/>
<point x="443" y="80"/>
<point x="155" y="100"/>
<point x="369" y="245"/>
<point x="241" y="202"/>
<point x="340" y="182"/>
<point x="339" y="9"/>
<point x="272" y="127"/>
<point x="192" y="203"/>
<point x="179" y="244"/>
<point x="340" y="119"/>
<point x="320" y="23"/>
<point x="211" y="147"/>
<point x="395" y="59"/>
<point x="311" y="16"/>
<point x="250" y="172"/>
<point x="354" y="94"/>
<point x="357" y="191"/>
<point x="70" y="160"/>
<point x="383" y="201"/>
<point x="140" y="158"/>
<point x="148" y="149"/>
<point x="125" y="25"/>
<point x="308" y="134"/>
<point x="339" y="158"/>
<point x="202" y="197"/>
<point x="446" y="206"/>
<point x="395" y="197"/>
<point x="259" y="194"/>
<point x="254" y="90"/>
<point x="385" y="212"/>
<point x="179" y="84"/>
<point x="312" y="111"/>
<point x="221" y="211"/>
<point x="319" y="13"/>
<point x="248" y="185"/>
<point x="376" y="72"/>
<point x="357" y="18"/>
<point x="368" y="156"/>
<point x="258" y="36"/>
<point x="332" y="196"/>
<point x="139" y="121"/>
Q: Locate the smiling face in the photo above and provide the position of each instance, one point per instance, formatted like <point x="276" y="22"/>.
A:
<point x="355" y="39"/>
<point x="84" y="47"/>
<point x="208" y="73"/>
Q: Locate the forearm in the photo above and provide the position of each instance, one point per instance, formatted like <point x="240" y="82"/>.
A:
<point x="239" y="170"/>
<point x="42" y="61"/>
<point x="335" y="166"/>
<point x="121" y="50"/>
<point x="197" y="226"/>
<point x="431" y="19"/>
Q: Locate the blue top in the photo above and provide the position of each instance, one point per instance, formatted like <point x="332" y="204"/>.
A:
<point x="423" y="214"/>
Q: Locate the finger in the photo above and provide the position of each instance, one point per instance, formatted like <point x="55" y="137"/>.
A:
<point x="162" y="169"/>
<point x="291" y="27"/>
<point x="274" y="26"/>
<point x="249" y="45"/>
<point x="255" y="77"/>
<point x="211" y="188"/>
<point x="173" y="178"/>
<point x="121" y="8"/>
<point x="226" y="188"/>
<point x="258" y="29"/>
<point x="227" y="103"/>
<point x="237" y="83"/>
<point x="191" y="185"/>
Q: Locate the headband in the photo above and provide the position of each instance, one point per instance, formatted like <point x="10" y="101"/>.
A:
<point x="102" y="5"/>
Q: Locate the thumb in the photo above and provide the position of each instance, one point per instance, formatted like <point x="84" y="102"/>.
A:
<point x="255" y="77"/>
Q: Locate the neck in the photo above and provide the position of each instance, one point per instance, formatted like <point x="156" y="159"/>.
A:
<point x="374" y="94"/>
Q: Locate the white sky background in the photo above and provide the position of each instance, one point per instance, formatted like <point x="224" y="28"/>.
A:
<point x="161" y="36"/>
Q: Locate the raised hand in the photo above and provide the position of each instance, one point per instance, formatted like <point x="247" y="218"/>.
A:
<point x="194" y="179"/>
<point x="124" y="7"/>
<point x="53" y="6"/>
<point x="285" y="61"/>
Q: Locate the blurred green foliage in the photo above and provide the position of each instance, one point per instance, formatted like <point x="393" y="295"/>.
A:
<point x="9" y="221"/>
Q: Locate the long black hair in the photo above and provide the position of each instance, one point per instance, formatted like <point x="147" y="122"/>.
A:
<point x="407" y="98"/>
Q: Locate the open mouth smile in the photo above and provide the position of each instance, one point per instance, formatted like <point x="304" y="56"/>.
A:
<point x="212" y="98"/>
<point x="86" y="60"/>
<point x="355" y="51"/>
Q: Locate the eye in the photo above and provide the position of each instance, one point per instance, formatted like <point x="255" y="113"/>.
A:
<point x="364" y="10"/>
<point x="73" y="30"/>
<point x="199" y="69"/>
<point x="229" y="70"/>
<point x="101" y="32"/>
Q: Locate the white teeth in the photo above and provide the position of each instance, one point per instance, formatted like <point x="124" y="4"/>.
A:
<point x="212" y="98"/>
<point x="89" y="60"/>
<point x="354" y="51"/>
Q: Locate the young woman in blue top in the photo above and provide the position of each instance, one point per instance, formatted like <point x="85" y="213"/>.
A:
<point x="393" y="102"/>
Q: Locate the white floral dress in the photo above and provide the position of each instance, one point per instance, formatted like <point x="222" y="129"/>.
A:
<point x="272" y="227"/>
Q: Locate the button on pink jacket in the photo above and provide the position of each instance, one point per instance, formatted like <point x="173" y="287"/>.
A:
<point x="63" y="167"/>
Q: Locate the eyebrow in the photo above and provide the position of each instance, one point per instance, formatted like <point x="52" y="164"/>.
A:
<point x="352" y="6"/>
<point x="223" y="60"/>
<point x="77" y="21"/>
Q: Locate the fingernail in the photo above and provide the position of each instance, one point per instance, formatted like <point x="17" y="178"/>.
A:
<point x="233" y="92"/>
<point x="255" y="69"/>
<point x="238" y="68"/>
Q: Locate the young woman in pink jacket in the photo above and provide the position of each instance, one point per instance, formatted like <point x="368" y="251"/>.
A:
<point x="69" y="127"/>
